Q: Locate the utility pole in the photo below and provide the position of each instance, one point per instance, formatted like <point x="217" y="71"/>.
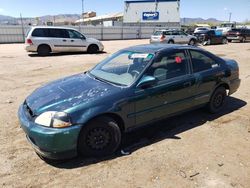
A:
<point x="230" y="15"/>
<point x="82" y="11"/>
<point x="22" y="27"/>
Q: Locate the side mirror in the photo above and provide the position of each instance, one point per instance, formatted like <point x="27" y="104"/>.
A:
<point x="146" y="82"/>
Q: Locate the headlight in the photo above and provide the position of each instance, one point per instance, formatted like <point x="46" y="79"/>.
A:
<point x="54" y="119"/>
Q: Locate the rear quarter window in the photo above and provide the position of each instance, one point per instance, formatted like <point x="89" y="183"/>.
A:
<point x="39" y="32"/>
<point x="202" y="62"/>
<point x="58" y="33"/>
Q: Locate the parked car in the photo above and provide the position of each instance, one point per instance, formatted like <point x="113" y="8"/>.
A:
<point x="225" y="27"/>
<point x="201" y="29"/>
<point x="241" y="35"/>
<point x="45" y="40"/>
<point x="172" y="37"/>
<point x="210" y="37"/>
<point x="87" y="113"/>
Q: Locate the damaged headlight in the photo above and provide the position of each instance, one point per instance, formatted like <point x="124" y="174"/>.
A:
<point x="54" y="119"/>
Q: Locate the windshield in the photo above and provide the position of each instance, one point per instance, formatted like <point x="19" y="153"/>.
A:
<point x="226" y="25"/>
<point x="235" y="30"/>
<point x="158" y="33"/>
<point x="202" y="29"/>
<point x="122" y="68"/>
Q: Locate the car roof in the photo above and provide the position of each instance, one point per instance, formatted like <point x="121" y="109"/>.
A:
<point x="51" y="27"/>
<point x="154" y="48"/>
<point x="168" y="30"/>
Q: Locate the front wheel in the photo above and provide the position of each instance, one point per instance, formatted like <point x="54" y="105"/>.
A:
<point x="92" y="49"/>
<point x="224" y="41"/>
<point x="217" y="100"/>
<point x="100" y="137"/>
<point x="243" y="40"/>
<point x="208" y="42"/>
<point x="192" y="42"/>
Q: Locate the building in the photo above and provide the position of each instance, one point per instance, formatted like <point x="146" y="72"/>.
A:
<point x="164" y="13"/>
<point x="106" y="20"/>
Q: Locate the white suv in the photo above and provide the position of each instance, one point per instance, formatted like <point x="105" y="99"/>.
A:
<point x="172" y="36"/>
<point x="45" y="40"/>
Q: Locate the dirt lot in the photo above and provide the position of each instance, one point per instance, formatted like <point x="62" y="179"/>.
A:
<point x="195" y="149"/>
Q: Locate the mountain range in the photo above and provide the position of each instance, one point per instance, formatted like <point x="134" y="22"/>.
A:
<point x="60" y="18"/>
<point x="70" y="18"/>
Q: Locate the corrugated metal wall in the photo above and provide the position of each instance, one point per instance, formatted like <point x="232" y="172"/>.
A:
<point x="16" y="34"/>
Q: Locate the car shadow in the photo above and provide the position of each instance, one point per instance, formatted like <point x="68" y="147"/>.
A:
<point x="165" y="129"/>
<point x="65" y="54"/>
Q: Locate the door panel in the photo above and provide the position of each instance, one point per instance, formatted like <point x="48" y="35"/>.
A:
<point x="207" y="73"/>
<point x="58" y="38"/>
<point x="172" y="93"/>
<point x="165" y="99"/>
<point x="76" y="41"/>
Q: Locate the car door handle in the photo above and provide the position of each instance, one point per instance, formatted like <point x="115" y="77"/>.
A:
<point x="64" y="40"/>
<point x="72" y="40"/>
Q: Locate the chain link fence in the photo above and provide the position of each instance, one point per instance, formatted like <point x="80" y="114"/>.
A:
<point x="16" y="33"/>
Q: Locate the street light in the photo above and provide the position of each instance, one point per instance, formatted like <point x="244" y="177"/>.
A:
<point x="230" y="15"/>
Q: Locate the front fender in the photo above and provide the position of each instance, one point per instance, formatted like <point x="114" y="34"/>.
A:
<point x="82" y="117"/>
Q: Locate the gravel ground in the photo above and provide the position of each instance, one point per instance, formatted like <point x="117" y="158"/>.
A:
<point x="195" y="149"/>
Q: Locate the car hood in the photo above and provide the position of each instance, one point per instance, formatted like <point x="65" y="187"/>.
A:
<point x="69" y="92"/>
<point x="92" y="40"/>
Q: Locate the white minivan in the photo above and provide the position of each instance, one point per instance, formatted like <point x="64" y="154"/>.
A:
<point x="46" y="39"/>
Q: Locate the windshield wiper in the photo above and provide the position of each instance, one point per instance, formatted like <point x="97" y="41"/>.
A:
<point x="105" y="81"/>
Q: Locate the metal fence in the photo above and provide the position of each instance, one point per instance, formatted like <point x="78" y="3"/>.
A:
<point x="16" y="34"/>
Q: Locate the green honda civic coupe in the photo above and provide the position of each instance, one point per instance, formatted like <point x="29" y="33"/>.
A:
<point x="87" y="113"/>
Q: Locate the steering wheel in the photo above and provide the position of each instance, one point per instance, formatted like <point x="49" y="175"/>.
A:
<point x="135" y="73"/>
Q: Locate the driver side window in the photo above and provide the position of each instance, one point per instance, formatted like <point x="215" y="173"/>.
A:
<point x="169" y="66"/>
<point x="75" y="35"/>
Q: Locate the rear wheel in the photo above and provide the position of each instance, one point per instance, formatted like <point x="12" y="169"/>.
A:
<point x="171" y="42"/>
<point x="43" y="50"/>
<point x="217" y="100"/>
<point x="100" y="137"/>
<point x="93" y="49"/>
<point x="243" y="39"/>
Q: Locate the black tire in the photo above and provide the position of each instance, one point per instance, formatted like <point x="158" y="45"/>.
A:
<point x="243" y="39"/>
<point x="224" y="41"/>
<point x="171" y="42"/>
<point x="192" y="42"/>
<point x="217" y="100"/>
<point x="43" y="50"/>
<point x="100" y="137"/>
<point x="92" y="49"/>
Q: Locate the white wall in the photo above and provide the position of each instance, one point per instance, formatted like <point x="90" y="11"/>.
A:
<point x="168" y="11"/>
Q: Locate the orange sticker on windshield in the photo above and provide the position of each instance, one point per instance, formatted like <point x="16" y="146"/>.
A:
<point x="178" y="59"/>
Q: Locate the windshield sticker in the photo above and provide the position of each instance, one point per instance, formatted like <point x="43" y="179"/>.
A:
<point x="215" y="65"/>
<point x="139" y="56"/>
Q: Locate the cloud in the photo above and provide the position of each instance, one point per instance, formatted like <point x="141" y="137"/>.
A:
<point x="1" y="10"/>
<point x="225" y="8"/>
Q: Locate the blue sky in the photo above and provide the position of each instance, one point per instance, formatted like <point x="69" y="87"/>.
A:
<point x="219" y="9"/>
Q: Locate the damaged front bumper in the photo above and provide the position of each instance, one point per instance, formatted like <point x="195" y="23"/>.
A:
<point x="52" y="143"/>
